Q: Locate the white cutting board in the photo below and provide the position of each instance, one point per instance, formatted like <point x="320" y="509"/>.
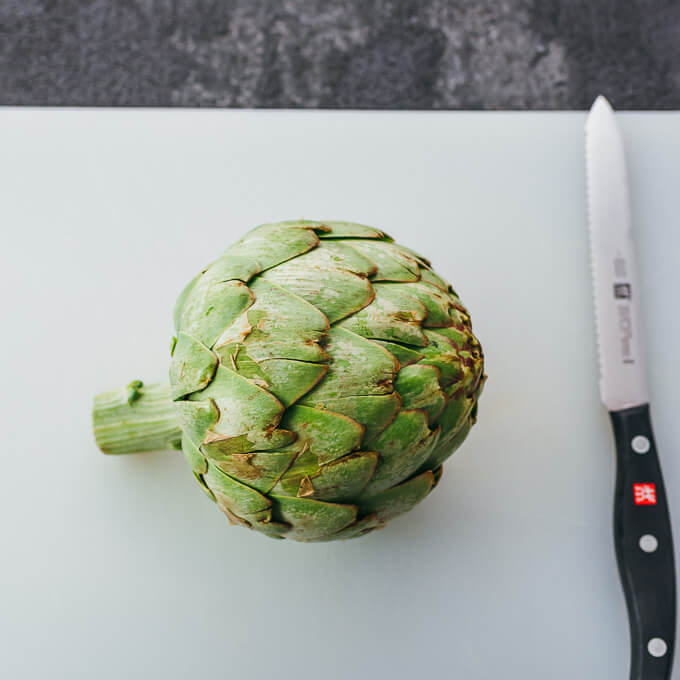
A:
<point x="121" y="568"/>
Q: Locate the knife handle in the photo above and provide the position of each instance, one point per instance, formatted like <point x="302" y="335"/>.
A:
<point x="644" y="545"/>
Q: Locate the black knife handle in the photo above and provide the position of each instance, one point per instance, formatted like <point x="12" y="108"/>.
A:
<point x="644" y="545"/>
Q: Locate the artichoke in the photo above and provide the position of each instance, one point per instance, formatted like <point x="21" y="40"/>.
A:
<point x="320" y="376"/>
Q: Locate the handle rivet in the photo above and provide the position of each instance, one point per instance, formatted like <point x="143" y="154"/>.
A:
<point x="641" y="444"/>
<point x="657" y="647"/>
<point x="648" y="543"/>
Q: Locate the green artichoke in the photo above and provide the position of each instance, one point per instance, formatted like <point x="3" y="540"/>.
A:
<point x="320" y="377"/>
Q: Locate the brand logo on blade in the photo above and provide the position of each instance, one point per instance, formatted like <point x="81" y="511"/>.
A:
<point x="622" y="291"/>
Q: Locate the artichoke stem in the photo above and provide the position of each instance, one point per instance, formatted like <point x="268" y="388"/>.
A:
<point x="136" y="418"/>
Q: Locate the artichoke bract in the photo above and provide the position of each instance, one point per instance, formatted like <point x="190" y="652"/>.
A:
<point x="320" y="376"/>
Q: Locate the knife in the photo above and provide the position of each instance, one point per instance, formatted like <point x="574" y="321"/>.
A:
<point x="642" y="529"/>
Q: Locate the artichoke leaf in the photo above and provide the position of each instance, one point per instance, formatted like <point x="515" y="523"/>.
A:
<point x="271" y="244"/>
<point x="441" y="352"/>
<point x="404" y="355"/>
<point x="211" y="307"/>
<point x="237" y="500"/>
<point x="411" y="254"/>
<point x="358" y="367"/>
<point x="438" y="305"/>
<point x="196" y="418"/>
<point x="335" y="292"/>
<point x="276" y="312"/>
<point x="392" y="264"/>
<point x="301" y="345"/>
<point x="428" y="276"/>
<point x="192" y="367"/>
<point x="271" y="529"/>
<point x="326" y="435"/>
<point x="340" y="480"/>
<point x="455" y="413"/>
<point x="391" y="316"/>
<point x="204" y="488"/>
<point x="360" y="528"/>
<point x="243" y="407"/>
<point x="259" y="470"/>
<point x="403" y="447"/>
<point x="218" y="446"/>
<point x="374" y="412"/>
<point x="289" y="380"/>
<point x="337" y="255"/>
<point x="350" y="230"/>
<point x="399" y="499"/>
<point x="311" y="519"/>
<point x="448" y="446"/>
<point x="418" y="387"/>
<point x="181" y="299"/>
<point x="194" y="456"/>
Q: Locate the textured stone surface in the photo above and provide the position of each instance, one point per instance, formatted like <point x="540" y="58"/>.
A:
<point x="486" y="54"/>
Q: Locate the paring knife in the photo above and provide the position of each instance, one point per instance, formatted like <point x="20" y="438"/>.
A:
<point x="642" y="530"/>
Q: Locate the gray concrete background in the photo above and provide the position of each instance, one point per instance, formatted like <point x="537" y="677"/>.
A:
<point x="451" y="54"/>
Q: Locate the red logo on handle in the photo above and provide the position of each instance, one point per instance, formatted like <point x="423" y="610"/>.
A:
<point x="644" y="494"/>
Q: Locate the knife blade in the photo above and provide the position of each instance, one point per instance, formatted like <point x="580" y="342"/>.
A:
<point x="642" y="530"/>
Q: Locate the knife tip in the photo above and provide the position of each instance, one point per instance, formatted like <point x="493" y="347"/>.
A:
<point x="601" y="102"/>
<point x="600" y="109"/>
